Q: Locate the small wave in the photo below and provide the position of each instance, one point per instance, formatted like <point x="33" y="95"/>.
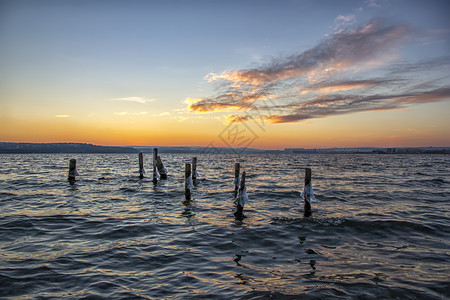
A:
<point x="324" y="222"/>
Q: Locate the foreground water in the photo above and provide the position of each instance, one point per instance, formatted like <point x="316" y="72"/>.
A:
<point x="380" y="228"/>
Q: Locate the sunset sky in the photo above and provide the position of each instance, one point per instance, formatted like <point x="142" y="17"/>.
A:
<point x="262" y="74"/>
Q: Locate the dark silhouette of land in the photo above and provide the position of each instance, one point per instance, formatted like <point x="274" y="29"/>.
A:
<point x="6" y="147"/>
<point x="62" y="148"/>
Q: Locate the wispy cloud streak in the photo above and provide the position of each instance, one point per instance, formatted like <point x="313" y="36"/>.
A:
<point x="134" y="99"/>
<point x="332" y="78"/>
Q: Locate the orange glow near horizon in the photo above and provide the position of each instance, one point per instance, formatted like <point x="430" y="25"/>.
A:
<point x="366" y="129"/>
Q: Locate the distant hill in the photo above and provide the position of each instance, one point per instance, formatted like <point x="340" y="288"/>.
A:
<point x="61" y="148"/>
<point x="6" y="147"/>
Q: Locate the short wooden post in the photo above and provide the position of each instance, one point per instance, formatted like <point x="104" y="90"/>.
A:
<point x="306" y="193"/>
<point x="194" y="169"/>
<point x="72" y="170"/>
<point x="161" y="169"/>
<point x="155" y="171"/>
<point x="237" y="170"/>
<point x="141" y="165"/>
<point x="239" y="214"/>
<point x="187" y="181"/>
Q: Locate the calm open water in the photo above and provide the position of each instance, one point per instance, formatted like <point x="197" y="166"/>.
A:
<point x="380" y="228"/>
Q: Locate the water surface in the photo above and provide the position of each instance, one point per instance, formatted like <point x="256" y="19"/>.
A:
<point x="380" y="228"/>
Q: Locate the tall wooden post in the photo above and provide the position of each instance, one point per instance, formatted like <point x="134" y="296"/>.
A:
<point x="306" y="193"/>
<point x="141" y="165"/>
<point x="161" y="169"/>
<point x="72" y="170"/>
<point x="194" y="169"/>
<point x="155" y="174"/>
<point x="237" y="169"/>
<point x="239" y="214"/>
<point x="187" y="181"/>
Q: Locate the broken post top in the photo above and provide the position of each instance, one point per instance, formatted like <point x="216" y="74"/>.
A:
<point x="141" y="165"/>
<point x="72" y="169"/>
<point x="160" y="164"/>
<point x="307" y="176"/>
<point x="72" y="163"/>
<point x="242" y="181"/>
<point x="155" y="155"/>
<point x="194" y="169"/>
<point x="141" y="161"/>
<point x="187" y="170"/>
<point x="237" y="167"/>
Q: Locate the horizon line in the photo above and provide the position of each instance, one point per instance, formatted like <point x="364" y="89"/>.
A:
<point x="224" y="146"/>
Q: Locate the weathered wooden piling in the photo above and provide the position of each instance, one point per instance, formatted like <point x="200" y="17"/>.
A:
<point x="187" y="181"/>
<point x="194" y="169"/>
<point x="141" y="166"/>
<point x="72" y="170"/>
<point x="155" y="171"/>
<point x="237" y="170"/>
<point x="241" y="199"/>
<point x="307" y="192"/>
<point x="161" y="169"/>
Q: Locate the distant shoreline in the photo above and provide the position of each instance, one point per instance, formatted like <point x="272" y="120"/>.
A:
<point x="49" y="148"/>
<point x="29" y="148"/>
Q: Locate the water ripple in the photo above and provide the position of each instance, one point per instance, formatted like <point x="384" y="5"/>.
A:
<point x="379" y="228"/>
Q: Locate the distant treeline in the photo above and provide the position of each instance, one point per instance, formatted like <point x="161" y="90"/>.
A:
<point x="62" y="148"/>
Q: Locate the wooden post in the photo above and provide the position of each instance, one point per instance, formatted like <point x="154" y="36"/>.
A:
<point x="239" y="214"/>
<point x="162" y="171"/>
<point x="306" y="196"/>
<point x="155" y="174"/>
<point x="72" y="170"/>
<point x="187" y="181"/>
<point x="141" y="165"/>
<point x="194" y="169"/>
<point x="237" y="170"/>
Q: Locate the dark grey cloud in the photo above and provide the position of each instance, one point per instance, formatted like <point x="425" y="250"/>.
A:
<point x="353" y="70"/>
<point x="338" y="105"/>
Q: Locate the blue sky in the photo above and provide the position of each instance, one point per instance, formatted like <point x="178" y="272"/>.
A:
<point x="100" y="64"/>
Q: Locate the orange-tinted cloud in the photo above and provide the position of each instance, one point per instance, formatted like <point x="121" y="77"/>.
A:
<point x="236" y="118"/>
<point x="332" y="78"/>
<point x="334" y="87"/>
<point x="205" y="105"/>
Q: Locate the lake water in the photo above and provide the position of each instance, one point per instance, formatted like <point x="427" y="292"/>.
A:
<point x="380" y="228"/>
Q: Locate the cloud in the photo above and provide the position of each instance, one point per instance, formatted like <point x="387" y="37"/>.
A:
<point x="348" y="19"/>
<point x="337" y="105"/>
<point x="356" y="69"/>
<point x="223" y="103"/>
<point x="134" y="99"/>
<point x="234" y="118"/>
<point x="339" y="86"/>
<point x="346" y="50"/>
<point x="125" y="113"/>
<point x="373" y="3"/>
